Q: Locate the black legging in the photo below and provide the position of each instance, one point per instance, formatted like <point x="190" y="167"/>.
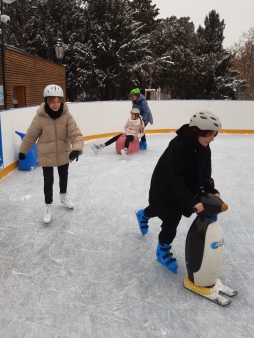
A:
<point x="170" y="221"/>
<point x="143" y="138"/>
<point x="48" y="173"/>
<point x="129" y="139"/>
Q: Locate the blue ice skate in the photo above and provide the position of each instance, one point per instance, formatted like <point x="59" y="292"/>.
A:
<point x="142" y="145"/>
<point x="165" y="257"/>
<point x="142" y="221"/>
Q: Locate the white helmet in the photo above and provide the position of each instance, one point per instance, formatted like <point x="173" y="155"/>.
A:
<point x="205" y="120"/>
<point x="135" y="111"/>
<point x="53" y="90"/>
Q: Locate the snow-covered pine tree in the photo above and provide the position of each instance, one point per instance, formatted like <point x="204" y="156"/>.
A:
<point x="58" y="19"/>
<point x="23" y="15"/>
<point x="35" y="27"/>
<point x="221" y="83"/>
<point x="145" y="12"/>
<point x="65" y="20"/>
<point x="109" y="62"/>
<point x="211" y="36"/>
<point x="174" y="42"/>
<point x="202" y="73"/>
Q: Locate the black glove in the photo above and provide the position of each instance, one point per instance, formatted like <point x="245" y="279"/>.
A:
<point x="22" y="156"/>
<point x="73" y="155"/>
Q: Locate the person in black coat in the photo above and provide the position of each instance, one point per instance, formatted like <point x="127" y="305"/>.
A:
<point x="181" y="175"/>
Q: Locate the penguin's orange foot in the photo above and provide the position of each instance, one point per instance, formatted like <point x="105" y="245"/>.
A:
<point x="211" y="293"/>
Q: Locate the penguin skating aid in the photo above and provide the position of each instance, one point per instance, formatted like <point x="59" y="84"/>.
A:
<point x="204" y="253"/>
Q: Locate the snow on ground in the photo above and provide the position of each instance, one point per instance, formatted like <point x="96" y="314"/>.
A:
<point x="90" y="273"/>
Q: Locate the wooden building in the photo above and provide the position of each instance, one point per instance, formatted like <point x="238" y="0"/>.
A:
<point x="26" y="77"/>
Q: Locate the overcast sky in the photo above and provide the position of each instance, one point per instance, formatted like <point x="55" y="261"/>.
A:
<point x="238" y="15"/>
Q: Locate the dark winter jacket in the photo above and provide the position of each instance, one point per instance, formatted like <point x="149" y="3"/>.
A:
<point x="145" y="111"/>
<point x="183" y="168"/>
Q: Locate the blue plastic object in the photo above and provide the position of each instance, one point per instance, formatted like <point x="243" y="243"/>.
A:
<point x="143" y="145"/>
<point x="31" y="161"/>
<point x="165" y="257"/>
<point x="142" y="222"/>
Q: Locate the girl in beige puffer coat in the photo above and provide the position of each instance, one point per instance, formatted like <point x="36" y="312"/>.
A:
<point x="59" y="141"/>
<point x="133" y="128"/>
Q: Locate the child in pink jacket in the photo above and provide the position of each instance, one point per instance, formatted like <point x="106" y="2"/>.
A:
<point x="133" y="128"/>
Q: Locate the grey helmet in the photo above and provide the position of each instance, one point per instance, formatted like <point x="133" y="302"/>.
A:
<point x="205" y="120"/>
<point x="53" y="90"/>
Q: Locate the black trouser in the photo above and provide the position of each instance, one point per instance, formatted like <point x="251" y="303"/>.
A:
<point x="129" y="139"/>
<point x="143" y="138"/>
<point x="48" y="173"/>
<point x="170" y="221"/>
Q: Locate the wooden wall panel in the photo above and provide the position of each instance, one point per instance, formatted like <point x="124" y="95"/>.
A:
<point x="32" y="72"/>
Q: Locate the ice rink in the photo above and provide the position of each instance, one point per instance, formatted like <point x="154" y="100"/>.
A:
<point x="90" y="272"/>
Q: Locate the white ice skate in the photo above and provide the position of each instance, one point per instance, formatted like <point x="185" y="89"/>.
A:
<point x="66" y="202"/>
<point x="96" y="148"/>
<point x="48" y="214"/>
<point x="123" y="153"/>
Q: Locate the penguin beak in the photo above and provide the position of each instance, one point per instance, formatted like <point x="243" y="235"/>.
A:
<point x="224" y="207"/>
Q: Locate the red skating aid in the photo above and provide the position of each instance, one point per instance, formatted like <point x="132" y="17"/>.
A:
<point x="133" y="147"/>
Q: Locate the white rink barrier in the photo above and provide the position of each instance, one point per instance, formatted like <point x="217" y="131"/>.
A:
<point x="104" y="118"/>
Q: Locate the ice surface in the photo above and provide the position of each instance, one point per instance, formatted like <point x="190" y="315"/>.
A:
<point x="90" y="273"/>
